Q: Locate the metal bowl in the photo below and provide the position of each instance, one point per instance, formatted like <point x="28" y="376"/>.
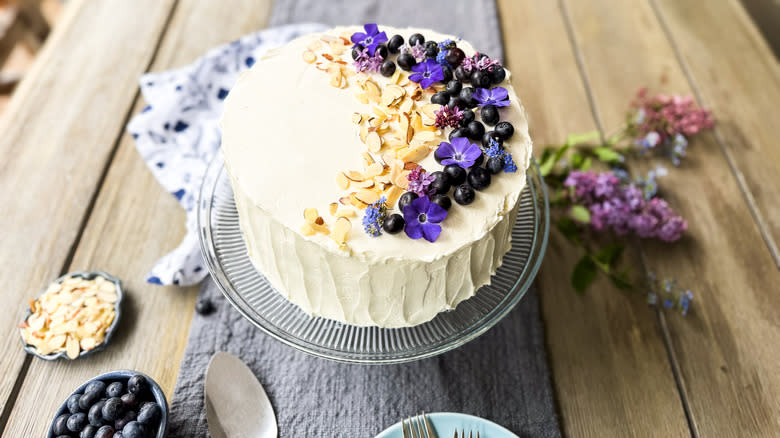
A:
<point x="122" y="376"/>
<point x="87" y="275"/>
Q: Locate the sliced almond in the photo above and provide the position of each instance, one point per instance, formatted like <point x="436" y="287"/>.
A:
<point x="88" y="343"/>
<point x="410" y="165"/>
<point x="309" y="56"/>
<point x="310" y="214"/>
<point x="425" y="136"/>
<point x="72" y="348"/>
<point x="341" y="230"/>
<point x="367" y="196"/>
<point x="393" y="193"/>
<point x="374" y="142"/>
<point x="368" y="158"/>
<point x="345" y="212"/>
<point x="430" y="110"/>
<point x="357" y="118"/>
<point x="401" y="180"/>
<point x="342" y="181"/>
<point x="355" y="175"/>
<point x="415" y="154"/>
<point x="372" y="91"/>
<point x="367" y="184"/>
<point x="323" y="229"/>
<point x="374" y="170"/>
<point x="333" y="207"/>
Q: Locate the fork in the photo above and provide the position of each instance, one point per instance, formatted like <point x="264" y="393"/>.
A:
<point x="463" y="434"/>
<point x="417" y="427"/>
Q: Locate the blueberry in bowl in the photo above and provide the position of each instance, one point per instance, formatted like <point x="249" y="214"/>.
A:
<point x="121" y="403"/>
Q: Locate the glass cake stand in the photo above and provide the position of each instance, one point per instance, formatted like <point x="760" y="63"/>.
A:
<point x="254" y="297"/>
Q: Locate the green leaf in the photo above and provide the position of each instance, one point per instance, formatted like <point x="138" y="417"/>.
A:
<point x="569" y="229"/>
<point x="607" y="155"/>
<point x="609" y="254"/>
<point x="573" y="139"/>
<point x="586" y="164"/>
<point x="620" y="281"/>
<point x="580" y="214"/>
<point x="547" y="165"/>
<point x="575" y="160"/>
<point x="584" y="273"/>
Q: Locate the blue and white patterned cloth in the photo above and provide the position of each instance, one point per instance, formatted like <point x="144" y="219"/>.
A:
<point x="177" y="134"/>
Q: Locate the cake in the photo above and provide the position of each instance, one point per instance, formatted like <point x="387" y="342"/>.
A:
<point x="336" y="145"/>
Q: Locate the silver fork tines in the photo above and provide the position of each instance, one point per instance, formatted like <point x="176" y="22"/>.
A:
<point x="462" y="434"/>
<point x="417" y="427"/>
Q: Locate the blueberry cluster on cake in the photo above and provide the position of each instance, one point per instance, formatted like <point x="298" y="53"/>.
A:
<point x="377" y="171"/>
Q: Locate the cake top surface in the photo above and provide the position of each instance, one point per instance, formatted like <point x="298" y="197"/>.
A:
<point x="300" y="133"/>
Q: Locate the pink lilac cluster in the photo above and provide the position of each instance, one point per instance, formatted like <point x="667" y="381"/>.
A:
<point x="623" y="208"/>
<point x="448" y="116"/>
<point x="417" y="50"/>
<point x="419" y="181"/>
<point x="368" y="63"/>
<point x="479" y="62"/>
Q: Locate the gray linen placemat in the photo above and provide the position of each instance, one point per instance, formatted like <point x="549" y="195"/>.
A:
<point x="503" y="376"/>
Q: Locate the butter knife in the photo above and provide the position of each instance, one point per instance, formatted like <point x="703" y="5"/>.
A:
<point x="236" y="403"/>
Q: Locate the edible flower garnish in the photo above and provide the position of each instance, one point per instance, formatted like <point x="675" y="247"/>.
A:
<point x="417" y="50"/>
<point x="479" y="62"/>
<point x="495" y="151"/>
<point x="497" y="96"/>
<point x="426" y="73"/>
<point x="419" y="181"/>
<point x="374" y="217"/>
<point x="367" y="63"/>
<point x="446" y="116"/>
<point x="422" y="218"/>
<point x="461" y="152"/>
<point x="371" y="39"/>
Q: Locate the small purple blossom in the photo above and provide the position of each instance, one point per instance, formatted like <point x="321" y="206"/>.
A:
<point x="374" y="217"/>
<point x="478" y="62"/>
<point x="426" y="73"/>
<point x="446" y="116"/>
<point x="422" y="219"/>
<point x="417" y="50"/>
<point x="497" y="96"/>
<point x="461" y="152"/>
<point x="419" y="181"/>
<point x="371" y="39"/>
<point x="366" y="63"/>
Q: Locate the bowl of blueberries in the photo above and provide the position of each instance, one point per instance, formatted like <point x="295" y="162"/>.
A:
<point x="118" y="404"/>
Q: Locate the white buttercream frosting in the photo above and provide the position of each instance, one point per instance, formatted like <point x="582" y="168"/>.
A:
<point x="286" y="133"/>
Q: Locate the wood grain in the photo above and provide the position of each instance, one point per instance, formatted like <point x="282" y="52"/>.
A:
<point x="134" y="222"/>
<point x="609" y="364"/>
<point x="55" y="144"/>
<point x="742" y="88"/>
<point x="726" y="349"/>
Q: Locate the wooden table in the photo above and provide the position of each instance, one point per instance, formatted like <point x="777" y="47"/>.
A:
<point x="76" y="194"/>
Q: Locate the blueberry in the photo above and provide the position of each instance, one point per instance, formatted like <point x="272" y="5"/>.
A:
<point x="453" y="87"/>
<point x="441" y="98"/>
<point x="129" y="400"/>
<point x="476" y="130"/>
<point x="203" y="306"/>
<point x="456" y="102"/>
<point x="128" y="417"/>
<point x="489" y="114"/>
<point x="465" y="94"/>
<point x="440" y="184"/>
<point x="73" y="403"/>
<point x="468" y="117"/>
<point x="480" y="79"/>
<point x="394" y="224"/>
<point x="113" y="409"/>
<point x="416" y="38"/>
<point x="118" y="434"/>
<point x="431" y="53"/>
<point x="406" y="199"/>
<point x="134" y="429"/>
<point x="459" y="132"/>
<point x="356" y="51"/>
<point x="495" y="165"/>
<point x="95" y="415"/>
<point x="89" y="398"/>
<point x="505" y="130"/>
<point x="456" y="173"/>
<point x="395" y="43"/>
<point x="437" y="157"/>
<point x="61" y="425"/>
<point x="446" y="73"/>
<point x="77" y="421"/>
<point x="96" y="386"/>
<point x="387" y="69"/>
<point x="381" y="50"/>
<point x="497" y="73"/>
<point x="136" y="383"/>
<point x="115" y="389"/>
<point x="89" y="431"/>
<point x="491" y="135"/>
<point x="431" y="44"/>
<point x="406" y="61"/>
<point x="479" y="178"/>
<point x="462" y="75"/>
<point x="464" y="194"/>
<point x="478" y="162"/>
<point x="105" y="432"/>
<point x="62" y="436"/>
<point x="150" y="413"/>
<point x="455" y="57"/>
<point x="442" y="201"/>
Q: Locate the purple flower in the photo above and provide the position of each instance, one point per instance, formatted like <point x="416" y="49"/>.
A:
<point x="461" y="152"/>
<point x="426" y="73"/>
<point x="417" y="50"/>
<point x="446" y="116"/>
<point x="364" y="62"/>
<point x="422" y="218"/>
<point x="371" y="39"/>
<point x="419" y="181"/>
<point x="497" y="96"/>
<point x="478" y="62"/>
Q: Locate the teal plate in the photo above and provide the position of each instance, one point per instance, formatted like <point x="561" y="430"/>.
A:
<point x="446" y="423"/>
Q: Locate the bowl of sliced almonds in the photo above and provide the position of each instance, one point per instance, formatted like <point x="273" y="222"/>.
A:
<point x="74" y="316"/>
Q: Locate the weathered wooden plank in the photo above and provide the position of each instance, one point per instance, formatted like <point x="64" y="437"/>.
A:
<point x="56" y="139"/>
<point x="609" y="364"/>
<point x="725" y="349"/>
<point x="734" y="72"/>
<point x="134" y="222"/>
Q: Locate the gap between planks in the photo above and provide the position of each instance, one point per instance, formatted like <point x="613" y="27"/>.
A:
<point x="666" y="335"/>
<point x="5" y="414"/>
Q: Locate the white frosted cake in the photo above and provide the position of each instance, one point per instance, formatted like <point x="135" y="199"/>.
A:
<point x="337" y="162"/>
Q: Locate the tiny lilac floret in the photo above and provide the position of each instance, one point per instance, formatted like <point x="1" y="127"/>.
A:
<point x="497" y="96"/>
<point x="371" y="39"/>
<point x="460" y="152"/>
<point x="422" y="219"/>
<point x="426" y="73"/>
